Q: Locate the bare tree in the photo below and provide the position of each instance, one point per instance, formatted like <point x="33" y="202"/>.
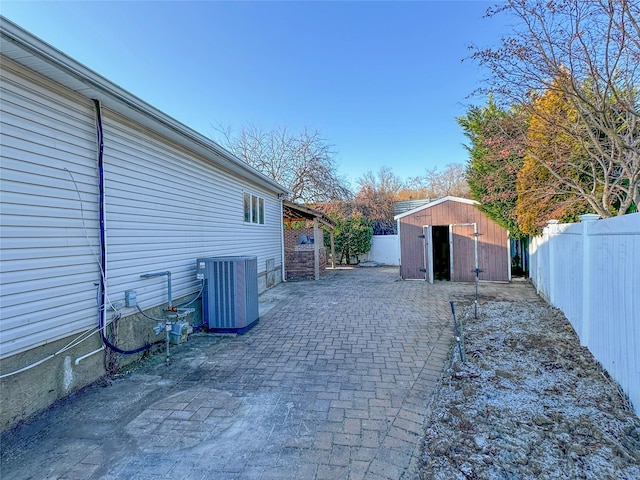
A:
<point x="375" y="197"/>
<point x="377" y="193"/>
<point x="589" y="52"/>
<point x="435" y="183"/>
<point x="303" y="162"/>
<point x="382" y="182"/>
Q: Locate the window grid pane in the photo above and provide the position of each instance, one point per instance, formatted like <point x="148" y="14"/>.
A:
<point x="247" y="207"/>
<point x="254" y="209"/>
<point x="261" y="212"/>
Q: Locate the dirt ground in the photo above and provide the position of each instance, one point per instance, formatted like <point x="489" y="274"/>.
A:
<point x="529" y="403"/>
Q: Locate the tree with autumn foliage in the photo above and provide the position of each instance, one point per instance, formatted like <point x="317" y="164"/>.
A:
<point x="373" y="201"/>
<point x="377" y="193"/>
<point x="496" y="152"/>
<point x="555" y="166"/>
<point x="584" y="54"/>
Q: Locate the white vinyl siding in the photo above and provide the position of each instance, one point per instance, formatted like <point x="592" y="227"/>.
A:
<point x="165" y="207"/>
<point x="48" y="267"/>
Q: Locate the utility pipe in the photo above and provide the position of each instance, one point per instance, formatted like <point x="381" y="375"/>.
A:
<point x="169" y="308"/>
<point x="161" y="274"/>
<point x="103" y="249"/>
<point x="79" y="359"/>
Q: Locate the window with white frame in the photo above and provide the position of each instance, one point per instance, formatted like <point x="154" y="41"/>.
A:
<point x="253" y="209"/>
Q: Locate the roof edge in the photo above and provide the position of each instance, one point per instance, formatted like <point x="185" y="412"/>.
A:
<point x="126" y="102"/>
<point x="310" y="212"/>
<point x="437" y="202"/>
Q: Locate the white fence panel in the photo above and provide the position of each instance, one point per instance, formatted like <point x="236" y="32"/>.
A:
<point x="539" y="254"/>
<point x="565" y="287"/>
<point x="591" y="272"/>
<point x="613" y="331"/>
<point x="385" y="250"/>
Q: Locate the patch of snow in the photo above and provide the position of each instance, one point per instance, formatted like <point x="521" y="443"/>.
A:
<point x="530" y="403"/>
<point x="368" y="264"/>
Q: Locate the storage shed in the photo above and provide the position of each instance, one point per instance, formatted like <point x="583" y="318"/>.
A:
<point x="448" y="239"/>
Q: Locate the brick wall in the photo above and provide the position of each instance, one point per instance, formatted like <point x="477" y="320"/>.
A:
<point x="291" y="236"/>
<point x="299" y="262"/>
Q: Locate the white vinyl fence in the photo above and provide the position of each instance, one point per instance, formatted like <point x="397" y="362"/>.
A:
<point x="591" y="271"/>
<point x="385" y="250"/>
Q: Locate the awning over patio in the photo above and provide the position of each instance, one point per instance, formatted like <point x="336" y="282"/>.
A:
<point x="293" y="212"/>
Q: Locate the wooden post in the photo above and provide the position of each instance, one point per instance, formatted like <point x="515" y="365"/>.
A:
<point x="316" y="249"/>
<point x="333" y="250"/>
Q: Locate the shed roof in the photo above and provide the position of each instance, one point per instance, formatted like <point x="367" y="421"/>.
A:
<point x="402" y="206"/>
<point x="434" y="203"/>
<point x="33" y="53"/>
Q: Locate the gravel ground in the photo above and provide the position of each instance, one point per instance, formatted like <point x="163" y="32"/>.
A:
<point x="529" y="403"/>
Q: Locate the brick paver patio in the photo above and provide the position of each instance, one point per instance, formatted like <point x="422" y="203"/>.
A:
<point x="332" y="383"/>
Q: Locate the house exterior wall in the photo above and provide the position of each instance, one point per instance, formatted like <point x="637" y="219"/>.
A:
<point x="492" y="242"/>
<point x="165" y="207"/>
<point x="47" y="258"/>
<point x="48" y="251"/>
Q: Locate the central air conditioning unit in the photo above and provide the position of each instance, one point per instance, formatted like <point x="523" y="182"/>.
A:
<point x="230" y="293"/>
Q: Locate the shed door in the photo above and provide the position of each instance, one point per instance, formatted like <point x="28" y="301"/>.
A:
<point x="463" y="253"/>
<point x="412" y="252"/>
<point x="428" y="253"/>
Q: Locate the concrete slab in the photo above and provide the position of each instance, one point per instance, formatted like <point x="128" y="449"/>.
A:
<point x="333" y="382"/>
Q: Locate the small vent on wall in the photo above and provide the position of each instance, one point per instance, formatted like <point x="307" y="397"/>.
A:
<point x="271" y="274"/>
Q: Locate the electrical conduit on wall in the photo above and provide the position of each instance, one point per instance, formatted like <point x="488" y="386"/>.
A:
<point x="102" y="312"/>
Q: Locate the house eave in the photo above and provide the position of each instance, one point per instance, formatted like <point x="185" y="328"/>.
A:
<point x="29" y="51"/>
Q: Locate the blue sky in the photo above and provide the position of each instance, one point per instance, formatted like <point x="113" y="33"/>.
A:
<point x="382" y="81"/>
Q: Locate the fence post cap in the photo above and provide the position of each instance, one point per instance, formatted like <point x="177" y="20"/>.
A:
<point x="589" y="217"/>
<point x="553" y="222"/>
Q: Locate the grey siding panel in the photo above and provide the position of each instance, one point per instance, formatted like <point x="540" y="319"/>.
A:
<point x="47" y="264"/>
<point x="167" y="207"/>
